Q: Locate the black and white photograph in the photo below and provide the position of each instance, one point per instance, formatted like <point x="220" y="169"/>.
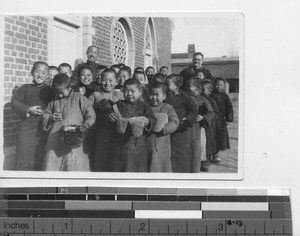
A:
<point x="123" y="95"/>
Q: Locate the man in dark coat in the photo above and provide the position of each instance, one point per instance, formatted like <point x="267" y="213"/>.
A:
<point x="193" y="69"/>
<point x="92" y="56"/>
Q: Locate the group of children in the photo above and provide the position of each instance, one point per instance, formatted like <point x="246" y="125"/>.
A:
<point x="110" y="120"/>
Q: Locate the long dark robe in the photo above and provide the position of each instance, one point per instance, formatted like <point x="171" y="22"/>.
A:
<point x="225" y="115"/>
<point x="198" y="141"/>
<point x="129" y="154"/>
<point x="185" y="107"/>
<point x="100" y="136"/>
<point x="210" y="130"/>
<point x="31" y="138"/>
<point x="159" y="144"/>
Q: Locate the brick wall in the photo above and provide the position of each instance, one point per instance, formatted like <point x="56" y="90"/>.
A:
<point x="25" y="41"/>
<point x="138" y="25"/>
<point x="101" y="39"/>
<point x="164" y="37"/>
<point x="163" y="31"/>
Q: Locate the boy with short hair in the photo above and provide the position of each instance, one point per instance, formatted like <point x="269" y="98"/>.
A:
<point x="85" y="86"/>
<point x="28" y="103"/>
<point x="186" y="110"/>
<point x="224" y="116"/>
<point x="65" y="68"/>
<point x="159" y="143"/>
<point x="67" y="109"/>
<point x="53" y="70"/>
<point x="150" y="71"/>
<point x="199" y="75"/>
<point x="128" y="150"/>
<point x="102" y="102"/>
<point x="203" y="119"/>
<point x="210" y="131"/>
<point x="145" y="91"/>
<point x="96" y="84"/>
<point x="123" y="75"/>
<point x="92" y="57"/>
<point x="164" y="70"/>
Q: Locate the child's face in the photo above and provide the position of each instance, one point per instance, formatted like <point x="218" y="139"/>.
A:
<point x="92" y="53"/>
<point x="171" y="86"/>
<point x="132" y="93"/>
<point x="40" y="74"/>
<point x="220" y="86"/>
<point x="200" y="75"/>
<point x="122" y="77"/>
<point x="164" y="71"/>
<point x="52" y="73"/>
<point x="62" y="91"/>
<point x="66" y="70"/>
<point x="108" y="82"/>
<point x="206" y="89"/>
<point x="192" y="89"/>
<point x="98" y="75"/>
<point x="86" y="77"/>
<point x="156" y="97"/>
<point x="150" y="72"/>
<point x="141" y="78"/>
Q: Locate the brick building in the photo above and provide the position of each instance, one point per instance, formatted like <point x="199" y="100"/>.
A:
<point x="135" y="41"/>
<point x="226" y="67"/>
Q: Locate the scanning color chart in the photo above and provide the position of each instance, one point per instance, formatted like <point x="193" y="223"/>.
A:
<point x="91" y="211"/>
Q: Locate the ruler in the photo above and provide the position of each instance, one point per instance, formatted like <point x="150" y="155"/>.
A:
<point x="144" y="211"/>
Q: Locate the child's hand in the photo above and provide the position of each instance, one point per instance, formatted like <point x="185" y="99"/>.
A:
<point x="199" y="118"/>
<point x="56" y="117"/>
<point x="82" y="130"/>
<point x="113" y="117"/>
<point x="183" y="125"/>
<point x="35" y="111"/>
<point x="146" y="121"/>
<point x="103" y="105"/>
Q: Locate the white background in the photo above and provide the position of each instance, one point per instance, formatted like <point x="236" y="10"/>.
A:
<point x="272" y="83"/>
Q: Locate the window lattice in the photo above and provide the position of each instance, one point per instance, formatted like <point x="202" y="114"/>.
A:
<point x="120" y="44"/>
<point x="148" y="41"/>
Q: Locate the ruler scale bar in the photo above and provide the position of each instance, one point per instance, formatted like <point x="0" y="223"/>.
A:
<point x="144" y="226"/>
<point x="144" y="211"/>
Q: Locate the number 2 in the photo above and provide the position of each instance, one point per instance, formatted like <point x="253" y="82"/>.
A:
<point x="142" y="226"/>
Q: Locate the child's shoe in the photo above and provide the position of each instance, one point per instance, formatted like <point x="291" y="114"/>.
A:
<point x="205" y="166"/>
<point x="216" y="158"/>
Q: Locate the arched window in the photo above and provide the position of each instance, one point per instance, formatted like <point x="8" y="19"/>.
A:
<point x="150" y="45"/>
<point x="122" y="45"/>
